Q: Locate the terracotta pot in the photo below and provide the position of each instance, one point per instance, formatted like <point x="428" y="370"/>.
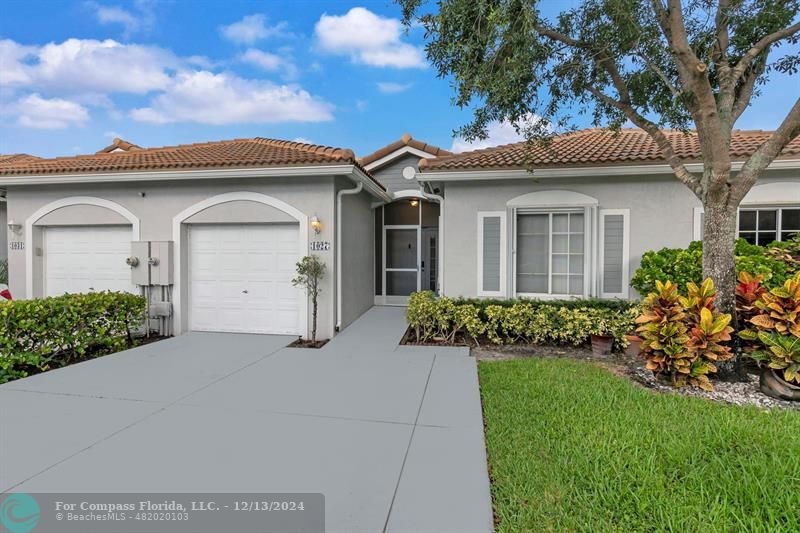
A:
<point x="602" y="344"/>
<point x="773" y="385"/>
<point x="634" y="347"/>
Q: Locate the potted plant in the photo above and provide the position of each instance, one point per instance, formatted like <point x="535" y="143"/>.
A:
<point x="601" y="334"/>
<point x="780" y="378"/>
<point x="776" y="332"/>
<point x="634" y="347"/>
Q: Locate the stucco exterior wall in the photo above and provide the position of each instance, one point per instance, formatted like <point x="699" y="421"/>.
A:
<point x="156" y="203"/>
<point x="661" y="215"/>
<point x="358" y="257"/>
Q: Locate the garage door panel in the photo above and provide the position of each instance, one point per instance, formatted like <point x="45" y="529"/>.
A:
<point x="81" y="259"/>
<point x="247" y="288"/>
<point x="286" y="263"/>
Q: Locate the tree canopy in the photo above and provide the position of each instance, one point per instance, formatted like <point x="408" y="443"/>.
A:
<point x="656" y="65"/>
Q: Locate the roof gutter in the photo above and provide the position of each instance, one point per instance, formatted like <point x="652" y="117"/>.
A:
<point x="582" y="172"/>
<point x="349" y="170"/>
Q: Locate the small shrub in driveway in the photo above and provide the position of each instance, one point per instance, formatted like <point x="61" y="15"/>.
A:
<point x="310" y="272"/>
<point x="45" y="333"/>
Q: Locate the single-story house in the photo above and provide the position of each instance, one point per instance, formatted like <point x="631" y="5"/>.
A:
<point x="211" y="232"/>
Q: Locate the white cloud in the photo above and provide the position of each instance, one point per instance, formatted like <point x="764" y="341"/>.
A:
<point x="87" y="65"/>
<point x="390" y="87"/>
<point x="142" y="19"/>
<point x="33" y="111"/>
<point x="270" y="62"/>
<point x="302" y="140"/>
<point x="367" y="38"/>
<point x="265" y="60"/>
<point x="117" y="15"/>
<point x="12" y="57"/>
<point x="362" y="105"/>
<point x="499" y="133"/>
<point x="208" y="98"/>
<point x="253" y="28"/>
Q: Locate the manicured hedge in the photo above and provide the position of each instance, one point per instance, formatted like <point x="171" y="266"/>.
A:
<point x="775" y="263"/>
<point x="583" y="303"/>
<point x="37" y="335"/>
<point x="568" y="322"/>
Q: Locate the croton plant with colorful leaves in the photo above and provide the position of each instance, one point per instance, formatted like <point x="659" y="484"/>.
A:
<point x="684" y="337"/>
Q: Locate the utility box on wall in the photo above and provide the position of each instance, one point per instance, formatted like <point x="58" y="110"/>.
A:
<point x="151" y="263"/>
<point x="161" y="263"/>
<point x="140" y="269"/>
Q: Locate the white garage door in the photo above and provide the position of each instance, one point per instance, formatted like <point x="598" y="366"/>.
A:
<point x="87" y="258"/>
<point x="240" y="278"/>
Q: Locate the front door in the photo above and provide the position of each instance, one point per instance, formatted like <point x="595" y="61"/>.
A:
<point x="401" y="263"/>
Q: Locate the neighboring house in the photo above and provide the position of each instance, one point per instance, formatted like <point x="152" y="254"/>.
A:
<point x="7" y="160"/>
<point x="227" y="221"/>
<point x="594" y="203"/>
<point x="238" y="214"/>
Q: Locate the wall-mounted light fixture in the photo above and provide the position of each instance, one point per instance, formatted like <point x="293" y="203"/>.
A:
<point x="414" y="202"/>
<point x="316" y="224"/>
<point x="14" y="227"/>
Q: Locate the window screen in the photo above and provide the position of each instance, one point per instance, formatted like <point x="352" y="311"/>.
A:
<point x="550" y="258"/>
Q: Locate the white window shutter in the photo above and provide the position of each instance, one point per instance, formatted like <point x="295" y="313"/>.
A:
<point x="492" y="251"/>
<point x="698" y="214"/>
<point x="614" y="253"/>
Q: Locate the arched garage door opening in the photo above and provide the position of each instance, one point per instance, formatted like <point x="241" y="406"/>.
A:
<point x="84" y="242"/>
<point x="237" y="271"/>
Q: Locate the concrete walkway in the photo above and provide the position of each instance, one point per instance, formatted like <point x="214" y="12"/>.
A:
<point x="391" y="435"/>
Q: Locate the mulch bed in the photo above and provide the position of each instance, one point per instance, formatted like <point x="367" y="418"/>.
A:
<point x="303" y="343"/>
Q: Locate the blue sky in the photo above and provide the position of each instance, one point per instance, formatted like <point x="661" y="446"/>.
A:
<point x="76" y="74"/>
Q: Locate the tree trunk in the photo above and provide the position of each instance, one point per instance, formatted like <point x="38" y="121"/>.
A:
<point x="719" y="236"/>
<point x="314" y="320"/>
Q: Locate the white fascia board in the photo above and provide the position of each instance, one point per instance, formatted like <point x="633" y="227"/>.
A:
<point x="582" y="172"/>
<point x="397" y="153"/>
<point x="178" y="175"/>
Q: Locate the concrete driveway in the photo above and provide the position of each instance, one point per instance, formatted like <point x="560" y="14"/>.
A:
<point x="391" y="435"/>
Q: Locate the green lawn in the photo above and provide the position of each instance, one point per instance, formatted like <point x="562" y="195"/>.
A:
<point x="573" y="447"/>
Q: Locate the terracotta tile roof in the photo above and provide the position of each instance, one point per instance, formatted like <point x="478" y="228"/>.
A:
<point x="7" y="159"/>
<point x="405" y="140"/>
<point x="119" y="145"/>
<point x="596" y="147"/>
<point x="256" y="152"/>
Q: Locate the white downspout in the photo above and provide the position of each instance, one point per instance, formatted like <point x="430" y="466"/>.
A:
<point x="440" y="250"/>
<point x="355" y="190"/>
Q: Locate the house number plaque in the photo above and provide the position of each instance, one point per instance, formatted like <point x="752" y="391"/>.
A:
<point x="320" y="246"/>
<point x="16" y="245"/>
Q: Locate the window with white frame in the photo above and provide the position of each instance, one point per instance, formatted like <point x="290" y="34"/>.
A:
<point x="759" y="225"/>
<point x="550" y="253"/>
<point x="764" y="225"/>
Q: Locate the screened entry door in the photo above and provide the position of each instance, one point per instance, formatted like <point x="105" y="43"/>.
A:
<point x="401" y="260"/>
